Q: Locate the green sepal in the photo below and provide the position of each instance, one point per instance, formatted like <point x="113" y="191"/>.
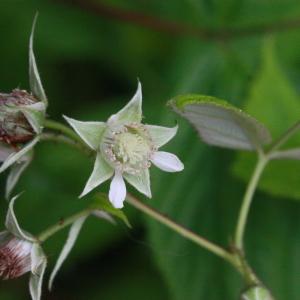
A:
<point x="101" y="202"/>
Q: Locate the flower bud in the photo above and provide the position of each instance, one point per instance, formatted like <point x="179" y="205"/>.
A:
<point x="256" y="293"/>
<point x="14" y="125"/>
<point x="15" y="257"/>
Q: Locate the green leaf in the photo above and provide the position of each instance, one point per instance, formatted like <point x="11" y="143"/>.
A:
<point x="102" y="202"/>
<point x="278" y="106"/>
<point x="220" y="123"/>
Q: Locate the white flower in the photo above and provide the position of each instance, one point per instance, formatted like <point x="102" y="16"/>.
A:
<point x="125" y="150"/>
<point x="21" y="253"/>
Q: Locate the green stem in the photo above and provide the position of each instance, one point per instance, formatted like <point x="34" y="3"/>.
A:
<point x="57" y="126"/>
<point x="284" y="137"/>
<point x="246" y="203"/>
<point x="204" y="243"/>
<point x="60" y="138"/>
<point x="42" y="237"/>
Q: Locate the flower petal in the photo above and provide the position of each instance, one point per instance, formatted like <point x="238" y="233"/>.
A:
<point x="101" y="172"/>
<point x="117" y="191"/>
<point x="73" y="234"/>
<point x="38" y="266"/>
<point x="14" y="157"/>
<point x="90" y="132"/>
<point x="34" y="77"/>
<point x="161" y="135"/>
<point x="167" y="161"/>
<point x="141" y="182"/>
<point x="16" y="172"/>
<point x="132" y="112"/>
<point x="12" y="224"/>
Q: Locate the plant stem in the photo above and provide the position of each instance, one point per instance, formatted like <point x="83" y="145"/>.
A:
<point x="188" y="234"/>
<point x="246" y="203"/>
<point x="60" y="138"/>
<point x="42" y="237"/>
<point x="57" y="126"/>
<point x="284" y="137"/>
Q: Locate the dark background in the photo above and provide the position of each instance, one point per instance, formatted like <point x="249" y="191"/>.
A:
<point x="90" y="54"/>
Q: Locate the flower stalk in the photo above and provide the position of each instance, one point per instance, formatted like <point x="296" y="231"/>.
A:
<point x="43" y="236"/>
<point x="186" y="233"/>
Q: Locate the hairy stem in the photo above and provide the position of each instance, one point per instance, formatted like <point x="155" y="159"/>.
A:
<point x="246" y="203"/>
<point x="42" y="237"/>
<point x="186" y="233"/>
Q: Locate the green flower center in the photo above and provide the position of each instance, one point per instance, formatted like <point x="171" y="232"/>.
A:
<point x="129" y="148"/>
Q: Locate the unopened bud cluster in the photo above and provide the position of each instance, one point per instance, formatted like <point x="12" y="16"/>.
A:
<point x="15" y="258"/>
<point x="14" y="126"/>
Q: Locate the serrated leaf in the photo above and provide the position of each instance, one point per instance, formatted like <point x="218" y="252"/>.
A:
<point x="220" y="123"/>
<point x="101" y="202"/>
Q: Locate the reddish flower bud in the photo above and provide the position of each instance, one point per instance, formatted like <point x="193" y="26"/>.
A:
<point x="14" y="126"/>
<point x="15" y="258"/>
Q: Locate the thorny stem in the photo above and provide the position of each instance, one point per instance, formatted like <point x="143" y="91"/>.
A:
<point x="246" y="203"/>
<point x="42" y="237"/>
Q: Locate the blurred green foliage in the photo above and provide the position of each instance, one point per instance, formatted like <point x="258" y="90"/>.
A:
<point x="89" y="63"/>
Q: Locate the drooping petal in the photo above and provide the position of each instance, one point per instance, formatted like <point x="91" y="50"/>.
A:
<point x="12" y="224"/>
<point x="141" y="182"/>
<point x="14" y="157"/>
<point x="16" y="172"/>
<point x="34" y="76"/>
<point x="90" y="132"/>
<point x="73" y="234"/>
<point x="101" y="172"/>
<point x="117" y="191"/>
<point x="38" y="267"/>
<point x="161" y="135"/>
<point x="167" y="161"/>
<point x="132" y="112"/>
<point x="35" y="115"/>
